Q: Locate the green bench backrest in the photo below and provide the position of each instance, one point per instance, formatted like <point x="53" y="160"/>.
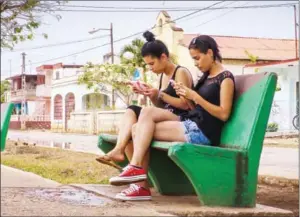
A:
<point x="6" y="110"/>
<point x="251" y="110"/>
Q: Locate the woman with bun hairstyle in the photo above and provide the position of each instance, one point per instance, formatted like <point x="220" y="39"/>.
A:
<point x="167" y="102"/>
<point x="212" y="98"/>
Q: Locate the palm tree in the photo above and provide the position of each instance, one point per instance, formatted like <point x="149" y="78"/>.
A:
<point x="134" y="49"/>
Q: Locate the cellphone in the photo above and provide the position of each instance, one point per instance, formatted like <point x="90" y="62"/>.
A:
<point x="138" y="85"/>
<point x="142" y="86"/>
<point x="172" y="82"/>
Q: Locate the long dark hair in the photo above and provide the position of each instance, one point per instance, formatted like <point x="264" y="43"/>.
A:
<point x="153" y="47"/>
<point x="203" y="43"/>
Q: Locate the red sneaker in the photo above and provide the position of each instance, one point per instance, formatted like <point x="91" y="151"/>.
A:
<point x="129" y="175"/>
<point x="134" y="192"/>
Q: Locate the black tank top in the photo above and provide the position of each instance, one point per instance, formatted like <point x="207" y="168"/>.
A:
<point x="171" y="91"/>
<point x="210" y="91"/>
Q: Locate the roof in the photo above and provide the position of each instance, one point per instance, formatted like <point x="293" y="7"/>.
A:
<point x="233" y="47"/>
<point x="165" y="13"/>
<point x="271" y="63"/>
<point x="174" y="28"/>
<point x="20" y="75"/>
<point x="56" y="65"/>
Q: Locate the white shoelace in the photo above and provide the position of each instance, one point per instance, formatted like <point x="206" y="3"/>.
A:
<point x="132" y="188"/>
<point x="127" y="168"/>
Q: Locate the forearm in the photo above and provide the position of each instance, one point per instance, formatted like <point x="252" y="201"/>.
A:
<point x="180" y="103"/>
<point x="190" y="103"/>
<point x="212" y="109"/>
<point x="157" y="102"/>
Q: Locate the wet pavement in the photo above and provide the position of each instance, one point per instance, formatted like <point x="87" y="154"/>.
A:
<point x="69" y="195"/>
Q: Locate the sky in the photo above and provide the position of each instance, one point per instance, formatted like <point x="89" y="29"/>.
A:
<point x="263" y="22"/>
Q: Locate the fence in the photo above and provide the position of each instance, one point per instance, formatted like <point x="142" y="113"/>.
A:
<point x="41" y="122"/>
<point x="95" y="122"/>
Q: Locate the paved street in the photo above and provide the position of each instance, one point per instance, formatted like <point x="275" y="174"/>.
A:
<point x="282" y="162"/>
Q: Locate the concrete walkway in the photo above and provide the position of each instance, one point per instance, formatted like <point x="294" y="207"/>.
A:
<point x="275" y="161"/>
<point x="25" y="193"/>
<point x="11" y="177"/>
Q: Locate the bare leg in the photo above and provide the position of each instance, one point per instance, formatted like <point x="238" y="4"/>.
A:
<point x="146" y="127"/>
<point x="124" y="136"/>
<point x="129" y="152"/>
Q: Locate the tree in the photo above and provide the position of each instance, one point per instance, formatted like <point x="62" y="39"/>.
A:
<point x="97" y="76"/>
<point x="19" y="19"/>
<point x="5" y="86"/>
<point x="252" y="57"/>
<point x="135" y="56"/>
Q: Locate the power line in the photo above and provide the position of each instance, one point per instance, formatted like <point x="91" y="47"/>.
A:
<point x="124" y="38"/>
<point x="58" y="44"/>
<point x="188" y="9"/>
<point x="208" y="11"/>
<point x="221" y="15"/>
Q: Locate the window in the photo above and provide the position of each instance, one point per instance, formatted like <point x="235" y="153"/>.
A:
<point x="57" y="75"/>
<point x="58" y="107"/>
<point x="160" y="30"/>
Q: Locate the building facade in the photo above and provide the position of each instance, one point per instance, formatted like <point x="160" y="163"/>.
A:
<point x="235" y="50"/>
<point x="286" y="99"/>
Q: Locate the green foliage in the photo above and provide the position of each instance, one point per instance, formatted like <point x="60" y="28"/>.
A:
<point x="19" y="19"/>
<point x="97" y="76"/>
<point x="136" y="59"/>
<point x="5" y="86"/>
<point x="272" y="127"/>
<point x="252" y="57"/>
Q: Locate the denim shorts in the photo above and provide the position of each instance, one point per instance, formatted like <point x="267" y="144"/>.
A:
<point x="193" y="134"/>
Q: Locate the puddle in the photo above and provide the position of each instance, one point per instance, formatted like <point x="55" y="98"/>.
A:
<point x="70" y="196"/>
<point x="79" y="146"/>
<point x="62" y="145"/>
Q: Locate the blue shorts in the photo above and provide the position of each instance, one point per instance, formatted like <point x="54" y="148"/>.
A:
<point x="193" y="134"/>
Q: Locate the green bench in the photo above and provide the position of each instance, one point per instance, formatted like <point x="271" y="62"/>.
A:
<point x="220" y="176"/>
<point x="6" y="110"/>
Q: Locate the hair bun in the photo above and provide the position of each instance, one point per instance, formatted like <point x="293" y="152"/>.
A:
<point x="149" y="36"/>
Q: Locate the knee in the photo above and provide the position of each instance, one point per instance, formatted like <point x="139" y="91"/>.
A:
<point x="147" y="112"/>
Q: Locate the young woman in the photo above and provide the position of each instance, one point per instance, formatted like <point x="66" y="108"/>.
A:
<point x="156" y="56"/>
<point x="213" y="99"/>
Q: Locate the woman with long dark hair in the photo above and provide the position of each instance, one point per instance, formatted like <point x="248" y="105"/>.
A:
<point x="167" y="102"/>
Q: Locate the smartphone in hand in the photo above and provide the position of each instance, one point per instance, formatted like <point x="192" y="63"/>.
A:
<point x="139" y="86"/>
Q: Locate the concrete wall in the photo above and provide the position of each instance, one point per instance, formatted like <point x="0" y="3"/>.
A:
<point x="94" y="122"/>
<point x="284" y="104"/>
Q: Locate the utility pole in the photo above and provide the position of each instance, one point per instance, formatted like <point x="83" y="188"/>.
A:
<point x="111" y="51"/>
<point x="295" y="23"/>
<point x="23" y="103"/>
<point x="112" y="61"/>
<point x="111" y="43"/>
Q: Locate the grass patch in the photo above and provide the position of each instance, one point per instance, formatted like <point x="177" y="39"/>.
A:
<point x="59" y="165"/>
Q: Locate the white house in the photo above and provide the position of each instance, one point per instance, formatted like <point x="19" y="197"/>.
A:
<point x="286" y="99"/>
<point x="67" y="96"/>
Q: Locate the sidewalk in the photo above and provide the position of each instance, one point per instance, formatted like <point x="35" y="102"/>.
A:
<point x="11" y="177"/>
<point x="21" y="194"/>
<point x="275" y="161"/>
